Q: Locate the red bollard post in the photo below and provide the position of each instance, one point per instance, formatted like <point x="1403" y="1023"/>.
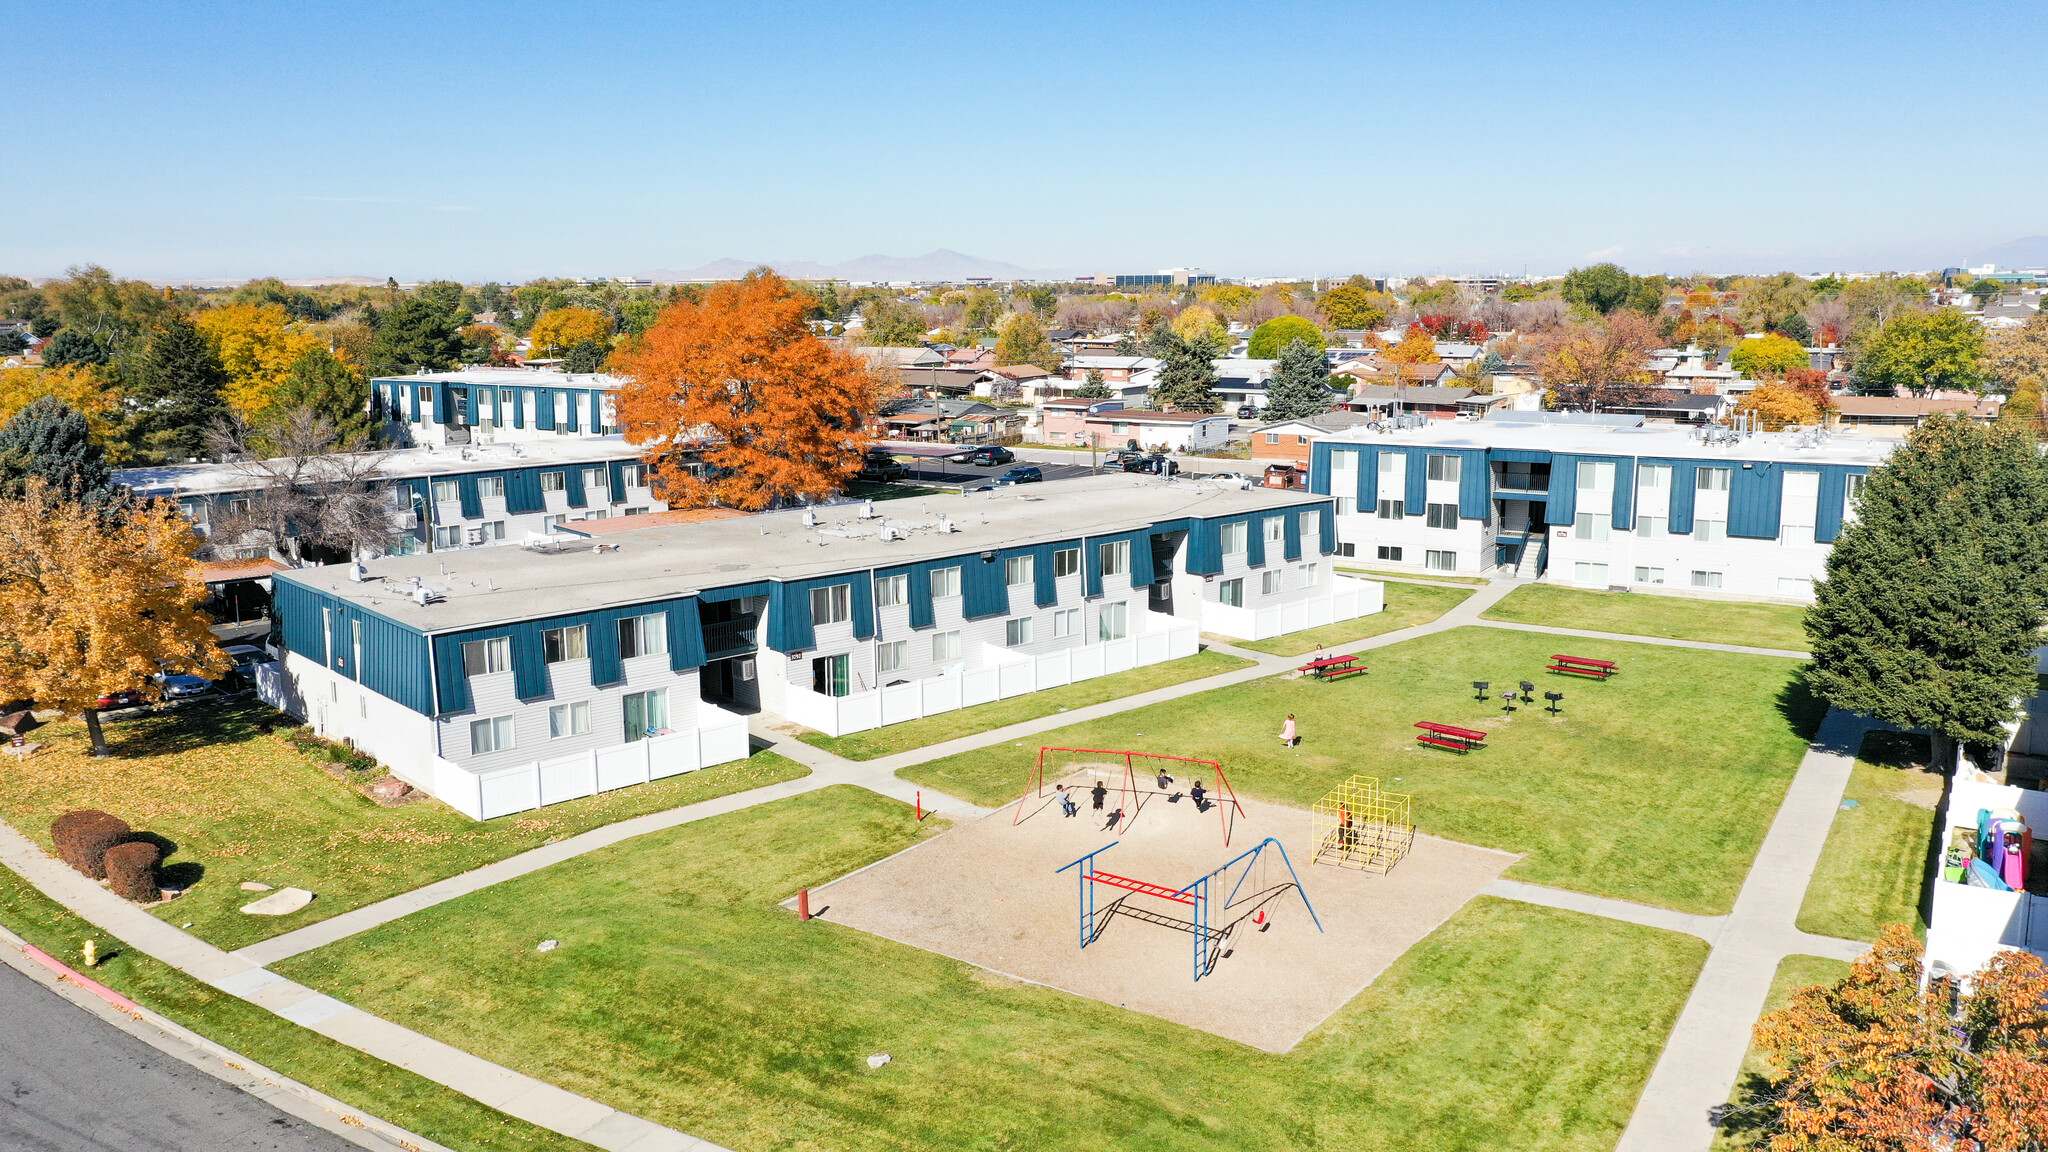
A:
<point x="920" y="805"/>
<point x="803" y="904"/>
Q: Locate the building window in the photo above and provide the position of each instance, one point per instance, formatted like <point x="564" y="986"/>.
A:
<point x="424" y="395"/>
<point x="484" y="657"/>
<point x="1706" y="579"/>
<point x="1270" y="581"/>
<point x="1385" y="552"/>
<point x="643" y="635"/>
<point x="1276" y="529"/>
<point x="1592" y="525"/>
<point x="1311" y="523"/>
<point x="571" y="643"/>
<point x="1440" y="561"/>
<point x="1017" y="632"/>
<point x="1649" y="575"/>
<point x="1595" y="476"/>
<point x="1110" y="622"/>
<point x="1066" y="622"/>
<point x="1234" y="537"/>
<point x="569" y="720"/>
<point x="1272" y="437"/>
<point x="1795" y="534"/>
<point x="1392" y="463"/>
<point x="1653" y="476"/>
<point x="633" y="475"/>
<point x="1797" y="587"/>
<point x="1853" y="489"/>
<point x="1652" y="525"/>
<point x="490" y="487"/>
<point x="945" y="646"/>
<point x="448" y="536"/>
<point x="892" y="655"/>
<point x="1584" y="573"/>
<point x="1309" y="574"/>
<point x="641" y="511"/>
<point x="1710" y="530"/>
<point x="1066" y="561"/>
<point x="1347" y="506"/>
<point x="493" y="735"/>
<point x="1441" y="515"/>
<point x="891" y="591"/>
<point x="195" y="510"/>
<point x="553" y="482"/>
<point x="1017" y="570"/>
<point x="1443" y="467"/>
<point x="646" y="714"/>
<point x="945" y="582"/>
<point x="833" y="603"/>
<point x="553" y="523"/>
<point x="832" y="675"/>
<point x="1115" y="557"/>
<point x="1391" y="510"/>
<point x="446" y="492"/>
<point x="1347" y="550"/>
<point x="1711" y="480"/>
<point x="1231" y="592"/>
<point x="1301" y="439"/>
<point x="491" y="530"/>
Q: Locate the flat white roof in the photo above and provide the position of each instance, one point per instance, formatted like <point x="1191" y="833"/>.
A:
<point x="494" y="585"/>
<point x="1501" y="431"/>
<point x="398" y="464"/>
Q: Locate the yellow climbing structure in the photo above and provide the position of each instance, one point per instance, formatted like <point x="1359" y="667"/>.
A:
<point x="1361" y="825"/>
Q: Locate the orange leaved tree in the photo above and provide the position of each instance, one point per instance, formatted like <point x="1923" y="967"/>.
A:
<point x="1879" y="1063"/>
<point x="780" y="413"/>
<point x="97" y="602"/>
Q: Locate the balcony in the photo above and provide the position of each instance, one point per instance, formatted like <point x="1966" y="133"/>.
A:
<point x="734" y="637"/>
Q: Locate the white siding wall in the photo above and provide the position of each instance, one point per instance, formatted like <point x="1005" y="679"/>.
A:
<point x="493" y="695"/>
<point x="338" y="708"/>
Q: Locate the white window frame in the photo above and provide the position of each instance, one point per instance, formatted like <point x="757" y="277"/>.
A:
<point x="1236" y="537"/>
<point x="1016" y="631"/>
<point x="1066" y="622"/>
<point x="945" y="582"/>
<point x="1702" y="579"/>
<point x="1712" y="479"/>
<point x="892" y="655"/>
<point x="1311" y="574"/>
<point x="570" y="719"/>
<point x="1592" y="525"/>
<point x="1709" y="531"/>
<point x="1589" y="572"/>
<point x="491" y="734"/>
<point x="1444" y="467"/>
<point x="494" y="653"/>
<point x="1114" y="556"/>
<point x="1066" y="562"/>
<point x="556" y="481"/>
<point x="571" y="642"/>
<point x="1017" y="571"/>
<point x="1270" y="582"/>
<point x="1230" y="593"/>
<point x="831" y="604"/>
<point x="1648" y="575"/>
<point x="490" y="487"/>
<point x="446" y="491"/>
<point x="891" y="591"/>
<point x="1112" y="621"/>
<point x="643" y="635"/>
<point x="1437" y="560"/>
<point x="945" y="646"/>
<point x="1444" y="516"/>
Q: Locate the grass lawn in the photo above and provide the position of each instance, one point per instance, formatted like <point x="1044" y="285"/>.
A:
<point x="241" y="804"/>
<point x="1737" y="1132"/>
<point x="1673" y="617"/>
<point x="1030" y="706"/>
<point x="1656" y="785"/>
<point x="1874" y="869"/>
<point x="1407" y="606"/>
<point x="681" y="992"/>
<point x="1433" y="577"/>
<point x="391" y="1093"/>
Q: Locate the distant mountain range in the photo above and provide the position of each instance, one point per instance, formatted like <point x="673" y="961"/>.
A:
<point x="942" y="264"/>
<point x="2025" y="252"/>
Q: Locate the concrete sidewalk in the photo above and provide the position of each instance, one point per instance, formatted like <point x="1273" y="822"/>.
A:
<point x="515" y="1094"/>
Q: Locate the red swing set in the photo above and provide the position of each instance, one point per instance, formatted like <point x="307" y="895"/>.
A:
<point x="1131" y="797"/>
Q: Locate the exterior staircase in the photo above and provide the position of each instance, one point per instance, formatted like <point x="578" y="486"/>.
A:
<point x="1535" y="547"/>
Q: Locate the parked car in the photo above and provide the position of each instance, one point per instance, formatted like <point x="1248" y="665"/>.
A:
<point x="185" y="686"/>
<point x="1157" y="465"/>
<point x="1117" y="456"/>
<point x="1247" y="412"/>
<point x="1023" y="474"/>
<point x="879" y="469"/>
<point x="242" y="677"/>
<point x="128" y="698"/>
<point x="1233" y="477"/>
<point x="987" y="455"/>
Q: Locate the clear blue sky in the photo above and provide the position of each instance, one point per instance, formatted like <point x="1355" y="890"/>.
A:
<point x="510" y="139"/>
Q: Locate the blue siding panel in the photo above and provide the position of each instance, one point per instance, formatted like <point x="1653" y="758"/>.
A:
<point x="1755" y="489"/>
<point x="686" y="634"/>
<point x="529" y="661"/>
<point x="617" y="475"/>
<point x="1475" y="486"/>
<point x="522" y="491"/>
<point x="1205" y="548"/>
<point x="1255" y="540"/>
<point x="544" y="409"/>
<point x="982" y="590"/>
<point x="1417" y="493"/>
<point x="1834" y="499"/>
<point x="1624" y="494"/>
<point x="1290" y="534"/>
<point x="735" y="592"/>
<point x="1684" y="474"/>
<point x="1563" y="503"/>
<point x="572" y="485"/>
<point x="1368" y="479"/>
<point x="606" y="665"/>
<point x="472" y="503"/>
<point x="1319" y="467"/>
<point x="1045" y="590"/>
<point x="1520" y="455"/>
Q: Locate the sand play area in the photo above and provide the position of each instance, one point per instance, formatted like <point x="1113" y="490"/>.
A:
<point x="987" y="892"/>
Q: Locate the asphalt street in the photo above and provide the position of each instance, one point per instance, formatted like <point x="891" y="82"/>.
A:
<point x="70" y="1082"/>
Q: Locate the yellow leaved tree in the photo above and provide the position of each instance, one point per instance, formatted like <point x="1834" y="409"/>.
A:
<point x="76" y="626"/>
<point x="74" y="384"/>
<point x="257" y="344"/>
<point x="560" y="329"/>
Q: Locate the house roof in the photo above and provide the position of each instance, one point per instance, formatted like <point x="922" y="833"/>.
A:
<point x="1420" y="394"/>
<point x="1134" y="363"/>
<point x="1323" y="421"/>
<point x="902" y="409"/>
<point x="1019" y="371"/>
<point x="1148" y="416"/>
<point x="1909" y="406"/>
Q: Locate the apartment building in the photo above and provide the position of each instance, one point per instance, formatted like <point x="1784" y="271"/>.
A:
<point x="494" y="406"/>
<point x="512" y="677"/>
<point x="1647" y="507"/>
<point x="440" y="499"/>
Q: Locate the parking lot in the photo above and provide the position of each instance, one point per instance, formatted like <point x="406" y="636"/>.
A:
<point x="945" y="473"/>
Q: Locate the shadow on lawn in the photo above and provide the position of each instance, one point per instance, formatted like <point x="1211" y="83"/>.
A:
<point x="201" y="724"/>
<point x="1802" y="709"/>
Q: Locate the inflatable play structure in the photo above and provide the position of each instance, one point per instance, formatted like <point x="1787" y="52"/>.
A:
<point x="1992" y="855"/>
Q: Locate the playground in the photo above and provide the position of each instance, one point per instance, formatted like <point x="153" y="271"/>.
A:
<point x="1220" y="919"/>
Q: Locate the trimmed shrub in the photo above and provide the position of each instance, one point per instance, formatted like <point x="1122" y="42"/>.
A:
<point x="83" y="837"/>
<point x="131" y="871"/>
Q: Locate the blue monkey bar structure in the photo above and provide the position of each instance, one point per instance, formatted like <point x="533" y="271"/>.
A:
<point x="1195" y="896"/>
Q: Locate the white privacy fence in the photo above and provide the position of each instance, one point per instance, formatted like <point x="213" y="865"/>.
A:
<point x="720" y="738"/>
<point x="1348" y="598"/>
<point x="1007" y="673"/>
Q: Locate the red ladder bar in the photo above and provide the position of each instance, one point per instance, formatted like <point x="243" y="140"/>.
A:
<point x="1116" y="881"/>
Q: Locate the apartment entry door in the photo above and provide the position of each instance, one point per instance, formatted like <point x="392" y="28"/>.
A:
<point x="830" y="675"/>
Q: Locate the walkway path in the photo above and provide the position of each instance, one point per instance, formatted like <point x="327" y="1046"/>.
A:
<point x="1695" y="1073"/>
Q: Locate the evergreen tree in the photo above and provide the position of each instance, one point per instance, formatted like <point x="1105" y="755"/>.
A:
<point x="322" y="384"/>
<point x="1187" y="379"/>
<point x="49" y="439"/>
<point x="1127" y="345"/>
<point x="67" y="348"/>
<point x="417" y="333"/>
<point x="1092" y="388"/>
<point x="176" y="393"/>
<point x="585" y="356"/>
<point x="1300" y="385"/>
<point x="13" y="343"/>
<point x="1934" y="596"/>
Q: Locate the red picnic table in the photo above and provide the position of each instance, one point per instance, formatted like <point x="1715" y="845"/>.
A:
<point x="1333" y="667"/>
<point x="1450" y="736"/>
<point x="1583" y="666"/>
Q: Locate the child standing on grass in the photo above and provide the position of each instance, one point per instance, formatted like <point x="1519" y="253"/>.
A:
<point x="1287" y="735"/>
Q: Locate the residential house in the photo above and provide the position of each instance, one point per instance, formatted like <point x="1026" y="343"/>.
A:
<point x="1017" y="382"/>
<point x="1431" y="400"/>
<point x="1896" y="415"/>
<point x="1287" y="442"/>
<point x="1158" y="431"/>
<point x="919" y="357"/>
<point x="1065" y="421"/>
<point x="938" y="419"/>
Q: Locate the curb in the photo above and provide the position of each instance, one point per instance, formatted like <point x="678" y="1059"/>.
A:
<point x="224" y="1064"/>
